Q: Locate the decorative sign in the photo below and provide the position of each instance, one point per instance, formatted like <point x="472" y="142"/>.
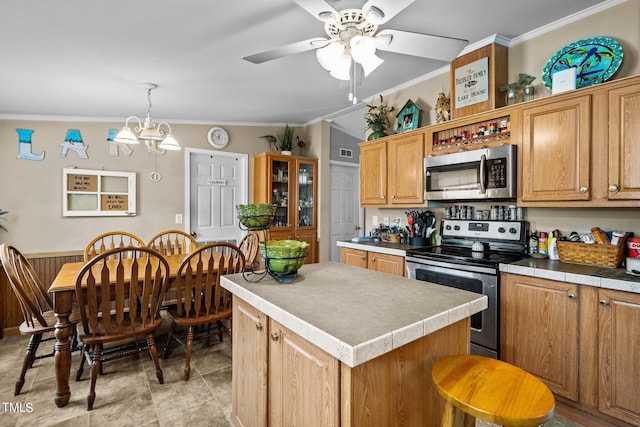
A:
<point x="87" y="192"/>
<point x="82" y="183"/>
<point x="114" y="202"/>
<point x="116" y="147"/>
<point x="472" y="83"/>
<point x="217" y="182"/>
<point x="24" y="139"/>
<point x="73" y="142"/>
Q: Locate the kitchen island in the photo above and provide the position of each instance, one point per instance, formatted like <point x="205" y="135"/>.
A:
<point x="343" y="346"/>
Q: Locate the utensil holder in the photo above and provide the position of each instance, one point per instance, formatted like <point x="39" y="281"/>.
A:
<point x="420" y="241"/>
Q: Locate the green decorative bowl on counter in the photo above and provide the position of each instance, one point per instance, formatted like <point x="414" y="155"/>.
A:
<point x="283" y="258"/>
<point x="256" y="216"/>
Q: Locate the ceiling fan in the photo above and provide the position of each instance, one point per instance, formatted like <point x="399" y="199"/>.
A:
<point x="353" y="37"/>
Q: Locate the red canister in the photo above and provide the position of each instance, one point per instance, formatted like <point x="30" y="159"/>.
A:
<point x="633" y="247"/>
<point x="542" y="243"/>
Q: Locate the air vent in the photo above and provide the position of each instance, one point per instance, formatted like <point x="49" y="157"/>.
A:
<point x="345" y="152"/>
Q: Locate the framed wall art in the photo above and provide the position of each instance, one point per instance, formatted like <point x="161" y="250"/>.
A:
<point x="408" y="117"/>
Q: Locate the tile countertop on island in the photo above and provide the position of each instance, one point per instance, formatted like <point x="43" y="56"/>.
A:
<point x="589" y="275"/>
<point x="354" y="314"/>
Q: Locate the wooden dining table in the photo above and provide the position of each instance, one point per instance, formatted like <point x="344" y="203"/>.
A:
<point x="63" y="291"/>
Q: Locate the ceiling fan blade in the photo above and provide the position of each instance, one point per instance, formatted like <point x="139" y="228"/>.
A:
<point x="319" y="9"/>
<point x="424" y="45"/>
<point x="290" y="49"/>
<point x="380" y="11"/>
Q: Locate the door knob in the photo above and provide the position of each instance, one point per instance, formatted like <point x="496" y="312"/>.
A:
<point x="194" y="234"/>
<point x="613" y="188"/>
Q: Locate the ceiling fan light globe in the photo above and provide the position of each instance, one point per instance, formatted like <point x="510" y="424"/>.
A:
<point x="329" y="55"/>
<point x="341" y="68"/>
<point x="125" y="136"/>
<point x="370" y="64"/>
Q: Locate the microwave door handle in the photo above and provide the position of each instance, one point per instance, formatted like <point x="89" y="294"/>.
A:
<point x="483" y="165"/>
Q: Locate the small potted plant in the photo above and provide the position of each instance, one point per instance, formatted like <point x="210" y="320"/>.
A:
<point x="285" y="140"/>
<point x="377" y="120"/>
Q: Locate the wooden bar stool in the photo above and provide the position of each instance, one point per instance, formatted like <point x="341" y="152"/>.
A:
<point x="491" y="390"/>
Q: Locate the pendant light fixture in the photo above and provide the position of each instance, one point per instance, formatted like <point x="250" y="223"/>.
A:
<point x="149" y="132"/>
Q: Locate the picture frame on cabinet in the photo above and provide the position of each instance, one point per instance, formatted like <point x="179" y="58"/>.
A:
<point x="408" y="117"/>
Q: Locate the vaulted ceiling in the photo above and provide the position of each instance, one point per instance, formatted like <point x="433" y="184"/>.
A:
<point x="78" y="58"/>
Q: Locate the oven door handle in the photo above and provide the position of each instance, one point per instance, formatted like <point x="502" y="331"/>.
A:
<point x="483" y="167"/>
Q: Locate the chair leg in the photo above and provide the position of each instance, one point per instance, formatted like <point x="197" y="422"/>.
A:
<point x="167" y="347"/>
<point x="221" y="329"/>
<point x="153" y="351"/>
<point x="83" y="357"/>
<point x="95" y="371"/>
<point x="188" y="347"/>
<point x="29" y="358"/>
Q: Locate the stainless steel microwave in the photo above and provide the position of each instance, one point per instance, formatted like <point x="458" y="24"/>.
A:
<point x="487" y="173"/>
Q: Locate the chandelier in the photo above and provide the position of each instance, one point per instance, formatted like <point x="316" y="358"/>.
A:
<point x="148" y="132"/>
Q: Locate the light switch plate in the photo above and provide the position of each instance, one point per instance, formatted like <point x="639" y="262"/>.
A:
<point x="178" y="218"/>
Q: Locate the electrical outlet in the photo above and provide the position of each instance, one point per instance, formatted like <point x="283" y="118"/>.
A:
<point x="178" y="218"/>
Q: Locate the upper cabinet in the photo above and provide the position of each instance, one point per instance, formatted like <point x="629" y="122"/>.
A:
<point x="582" y="148"/>
<point x="391" y="171"/>
<point x="556" y="150"/>
<point x="624" y="142"/>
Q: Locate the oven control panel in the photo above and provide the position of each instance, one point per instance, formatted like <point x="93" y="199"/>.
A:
<point x="494" y="230"/>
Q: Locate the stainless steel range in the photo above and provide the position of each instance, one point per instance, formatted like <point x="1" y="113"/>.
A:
<point x="468" y="258"/>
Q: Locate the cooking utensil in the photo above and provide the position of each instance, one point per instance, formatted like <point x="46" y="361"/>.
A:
<point x="410" y="222"/>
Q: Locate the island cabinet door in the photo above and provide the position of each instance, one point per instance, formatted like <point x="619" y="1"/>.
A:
<point x="304" y="382"/>
<point x="354" y="257"/>
<point x="619" y="317"/>
<point x="249" y="364"/>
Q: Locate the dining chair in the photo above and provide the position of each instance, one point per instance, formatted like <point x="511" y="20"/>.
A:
<point x="249" y="246"/>
<point x="173" y="242"/>
<point x="201" y="299"/>
<point x="111" y="240"/>
<point x="36" y="306"/>
<point x="137" y="275"/>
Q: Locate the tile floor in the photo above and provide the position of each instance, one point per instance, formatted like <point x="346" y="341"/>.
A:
<point x="129" y="393"/>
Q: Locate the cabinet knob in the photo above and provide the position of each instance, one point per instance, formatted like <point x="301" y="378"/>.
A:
<point x="572" y="296"/>
<point x="382" y="197"/>
<point x="259" y="326"/>
<point x="275" y="336"/>
<point x="373" y="260"/>
<point x="363" y="257"/>
<point x="604" y="302"/>
<point x="613" y="188"/>
<point x="584" y="189"/>
<point x="393" y="197"/>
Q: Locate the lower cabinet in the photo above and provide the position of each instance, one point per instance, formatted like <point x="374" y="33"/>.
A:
<point x="384" y="263"/>
<point x="280" y="379"/>
<point x="582" y="341"/>
<point x="301" y="381"/>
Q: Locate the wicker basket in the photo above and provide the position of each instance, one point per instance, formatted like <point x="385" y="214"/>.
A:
<point x="600" y="255"/>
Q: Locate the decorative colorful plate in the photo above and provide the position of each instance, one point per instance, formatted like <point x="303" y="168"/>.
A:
<point x="595" y="60"/>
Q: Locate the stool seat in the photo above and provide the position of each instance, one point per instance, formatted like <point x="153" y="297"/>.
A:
<point x="491" y="390"/>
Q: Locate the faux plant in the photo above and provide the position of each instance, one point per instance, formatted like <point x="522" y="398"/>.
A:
<point x="285" y="138"/>
<point x="377" y="116"/>
<point x="2" y="227"/>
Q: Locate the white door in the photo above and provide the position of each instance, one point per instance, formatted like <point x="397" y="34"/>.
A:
<point x="216" y="182"/>
<point x="345" y="212"/>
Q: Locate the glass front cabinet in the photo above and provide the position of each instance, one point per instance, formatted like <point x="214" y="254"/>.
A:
<point x="290" y="183"/>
